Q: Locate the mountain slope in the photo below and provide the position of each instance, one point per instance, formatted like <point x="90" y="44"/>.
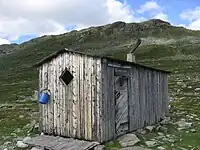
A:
<point x="159" y="40"/>
<point x="7" y="48"/>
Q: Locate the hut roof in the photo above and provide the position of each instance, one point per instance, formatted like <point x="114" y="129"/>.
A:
<point x="65" y="50"/>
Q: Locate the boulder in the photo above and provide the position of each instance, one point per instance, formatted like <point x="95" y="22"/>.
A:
<point x="35" y="148"/>
<point x="161" y="148"/>
<point x="151" y="143"/>
<point x="182" y="124"/>
<point x="21" y="144"/>
<point x="128" y="140"/>
<point x="149" y="128"/>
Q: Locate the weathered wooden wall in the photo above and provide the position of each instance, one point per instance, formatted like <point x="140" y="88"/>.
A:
<point x="85" y="108"/>
<point x="148" y="97"/>
<point x="74" y="110"/>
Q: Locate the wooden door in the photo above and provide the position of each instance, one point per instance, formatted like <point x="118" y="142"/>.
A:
<point x="121" y="104"/>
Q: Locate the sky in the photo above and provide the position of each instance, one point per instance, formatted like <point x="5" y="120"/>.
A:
<point x="22" y="20"/>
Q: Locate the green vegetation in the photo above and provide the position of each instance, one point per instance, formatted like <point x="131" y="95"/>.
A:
<point x="163" y="46"/>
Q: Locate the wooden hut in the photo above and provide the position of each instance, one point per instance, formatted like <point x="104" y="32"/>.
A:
<point x="99" y="98"/>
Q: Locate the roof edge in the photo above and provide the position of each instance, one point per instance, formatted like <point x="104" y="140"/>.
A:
<point x="64" y="50"/>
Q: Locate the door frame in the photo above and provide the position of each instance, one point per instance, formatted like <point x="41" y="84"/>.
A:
<point x="125" y="72"/>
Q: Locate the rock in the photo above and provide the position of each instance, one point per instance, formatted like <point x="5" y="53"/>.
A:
<point x="166" y="120"/>
<point x="128" y="140"/>
<point x="194" y="115"/>
<point x="134" y="148"/>
<point x="160" y="137"/>
<point x="21" y="116"/>
<point x="42" y="133"/>
<point x="184" y="86"/>
<point x="179" y="83"/>
<point x="18" y="130"/>
<point x="35" y="148"/>
<point x="151" y="143"/>
<point x="5" y="149"/>
<point x="160" y="133"/>
<point x="189" y="87"/>
<point x="26" y="139"/>
<point x="163" y="129"/>
<point x="197" y="89"/>
<point x="21" y="144"/>
<point x="161" y="148"/>
<point x="141" y="131"/>
<point x="6" y="143"/>
<point x="182" y="148"/>
<point x="193" y="130"/>
<point x="149" y="128"/>
<point x="99" y="147"/>
<point x="183" y="124"/>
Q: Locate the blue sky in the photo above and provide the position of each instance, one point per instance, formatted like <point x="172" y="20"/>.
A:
<point x="24" y="20"/>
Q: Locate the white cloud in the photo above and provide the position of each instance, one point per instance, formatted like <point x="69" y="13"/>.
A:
<point x="149" y="6"/>
<point x="154" y="10"/>
<point x="193" y="16"/>
<point x="4" y="41"/>
<point x="30" y="17"/>
<point x="161" y="16"/>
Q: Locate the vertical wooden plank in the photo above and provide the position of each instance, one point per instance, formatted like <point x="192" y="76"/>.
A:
<point x="99" y="100"/>
<point x="94" y="99"/>
<point x="142" y="98"/>
<point x="104" y="100"/>
<point x="82" y="79"/>
<point x="153" y="86"/>
<point x="71" y="96"/>
<point x="40" y="106"/>
<point x="112" y="104"/>
<point x="64" y="113"/>
<point x="134" y="101"/>
<point x="159" y="97"/>
<point x="45" y="86"/>
<point x="77" y="67"/>
<point x="137" y="98"/>
<point x="59" y="95"/>
<point x="145" y="92"/>
<point x="62" y="99"/>
<point x="50" y="104"/>
<point x="67" y="98"/>
<point x="150" y="102"/>
<point x="74" y="96"/>
<point x="86" y="91"/>
<point x="55" y="95"/>
<point x="89" y="96"/>
<point x="108" y="109"/>
<point x="131" y="109"/>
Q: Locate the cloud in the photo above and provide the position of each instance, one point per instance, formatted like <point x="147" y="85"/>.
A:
<point x="4" y="41"/>
<point x="154" y="9"/>
<point x="193" y="16"/>
<point x="161" y="16"/>
<point x="22" y="18"/>
<point x="149" y="6"/>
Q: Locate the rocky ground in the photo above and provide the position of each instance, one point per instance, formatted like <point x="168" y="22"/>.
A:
<point x="179" y="131"/>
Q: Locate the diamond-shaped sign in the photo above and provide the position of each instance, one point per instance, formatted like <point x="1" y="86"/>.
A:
<point x="66" y="77"/>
